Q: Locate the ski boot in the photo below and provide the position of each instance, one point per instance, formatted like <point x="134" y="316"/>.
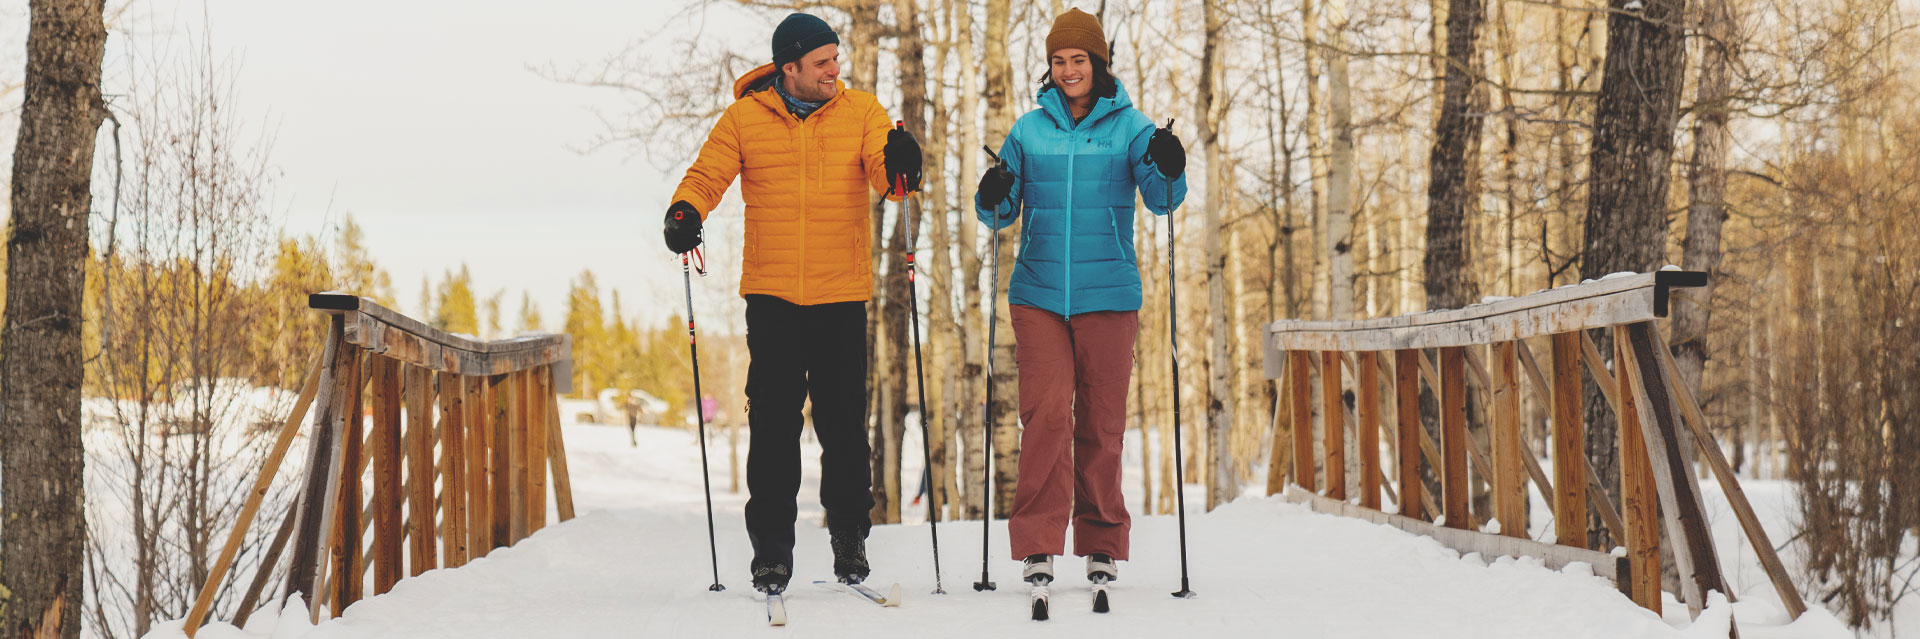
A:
<point x="849" y="557"/>
<point x="1038" y="571"/>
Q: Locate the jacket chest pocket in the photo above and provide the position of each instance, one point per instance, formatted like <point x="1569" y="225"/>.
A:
<point x="1121" y="242"/>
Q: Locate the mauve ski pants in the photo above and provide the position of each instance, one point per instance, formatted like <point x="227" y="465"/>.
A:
<point x="799" y="352"/>
<point x="1073" y="400"/>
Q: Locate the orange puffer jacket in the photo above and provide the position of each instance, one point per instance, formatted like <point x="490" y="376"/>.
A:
<point x="805" y="183"/>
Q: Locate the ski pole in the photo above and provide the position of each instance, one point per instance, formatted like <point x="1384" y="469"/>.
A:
<point x="700" y="411"/>
<point x="920" y="379"/>
<point x="986" y="407"/>
<point x="1173" y="338"/>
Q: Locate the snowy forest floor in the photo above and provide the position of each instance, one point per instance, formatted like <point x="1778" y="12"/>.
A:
<point x="635" y="564"/>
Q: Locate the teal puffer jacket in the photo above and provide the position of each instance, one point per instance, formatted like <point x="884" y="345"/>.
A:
<point x="1074" y="189"/>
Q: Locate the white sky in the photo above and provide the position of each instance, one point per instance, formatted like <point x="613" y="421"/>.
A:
<point x="423" y="120"/>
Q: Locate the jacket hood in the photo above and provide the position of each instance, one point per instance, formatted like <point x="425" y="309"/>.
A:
<point x="1054" y="104"/>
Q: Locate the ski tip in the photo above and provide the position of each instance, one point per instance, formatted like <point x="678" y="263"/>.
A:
<point x="1100" y="601"/>
<point x="1039" y="610"/>
<point x="893" y="597"/>
<point x="776" y="610"/>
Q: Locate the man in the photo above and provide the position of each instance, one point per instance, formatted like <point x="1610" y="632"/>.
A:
<point x="807" y="150"/>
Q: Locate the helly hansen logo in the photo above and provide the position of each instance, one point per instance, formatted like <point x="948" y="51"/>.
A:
<point x="1105" y="144"/>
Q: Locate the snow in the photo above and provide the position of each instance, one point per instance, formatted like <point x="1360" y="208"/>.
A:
<point x="635" y="564"/>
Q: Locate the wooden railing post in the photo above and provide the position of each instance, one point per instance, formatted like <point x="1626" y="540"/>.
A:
<point x="1298" y="370"/>
<point x="1509" y="485"/>
<point x="479" y="405"/>
<point x="1639" y="499"/>
<point x="540" y="391"/>
<point x="453" y="473"/>
<point x="1569" y="444"/>
<point x="500" y="476"/>
<point x="1678" y="490"/>
<point x="1453" y="437"/>
<point x="346" y="524"/>
<point x="517" y="394"/>
<point x="385" y="442"/>
<point x="1367" y="399"/>
<point x="422" y="555"/>
<point x="1334" y="433"/>
<point x="1406" y="391"/>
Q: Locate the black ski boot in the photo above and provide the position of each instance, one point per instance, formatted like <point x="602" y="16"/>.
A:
<point x="849" y="556"/>
<point x="771" y="576"/>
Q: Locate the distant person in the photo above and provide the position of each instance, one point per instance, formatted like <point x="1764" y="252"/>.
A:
<point x="1072" y="167"/>
<point x="807" y="151"/>
<point x="632" y="406"/>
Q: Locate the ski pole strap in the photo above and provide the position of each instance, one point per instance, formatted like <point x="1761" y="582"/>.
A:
<point x="699" y="261"/>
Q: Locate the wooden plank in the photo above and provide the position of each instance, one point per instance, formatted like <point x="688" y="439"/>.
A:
<point x="1368" y="402"/>
<point x="500" y="478"/>
<point x="1333" y="432"/>
<point x="1686" y="520"/>
<point x="1477" y="372"/>
<point x="1639" y="498"/>
<point x="1730" y="484"/>
<point x="1597" y="369"/>
<point x="1298" y="364"/>
<point x="1466" y="541"/>
<point x="1453" y="437"/>
<point x="1406" y="384"/>
<point x="1599" y="304"/>
<point x="1509" y="484"/>
<point x="261" y="482"/>
<point x="539" y="380"/>
<point x="420" y="462"/>
<point x="1476" y="454"/>
<point x="557" y="452"/>
<point x="453" y="463"/>
<point x="385" y="442"/>
<point x="346" y="549"/>
<point x="1569" y="444"/>
<point x="316" y="498"/>
<point x="1278" y="459"/>
<point x="517" y="456"/>
<point x="479" y="406"/>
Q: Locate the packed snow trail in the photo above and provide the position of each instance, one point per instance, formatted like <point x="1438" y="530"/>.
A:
<point x="634" y="564"/>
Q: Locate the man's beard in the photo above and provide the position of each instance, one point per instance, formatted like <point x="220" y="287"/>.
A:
<point x="810" y="92"/>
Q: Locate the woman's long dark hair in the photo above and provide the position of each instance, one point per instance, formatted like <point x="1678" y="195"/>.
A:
<point x="1103" y="84"/>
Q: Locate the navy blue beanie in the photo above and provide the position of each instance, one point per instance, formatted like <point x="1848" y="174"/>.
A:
<point x="799" y="35"/>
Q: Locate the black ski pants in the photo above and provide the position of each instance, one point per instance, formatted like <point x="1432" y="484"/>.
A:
<point x="799" y="352"/>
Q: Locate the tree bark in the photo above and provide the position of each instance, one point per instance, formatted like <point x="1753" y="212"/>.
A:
<point x="42" y="458"/>
<point x="1707" y="206"/>
<point x="974" y="339"/>
<point x="1626" y="226"/>
<point x="1338" y="243"/>
<point x="1449" y="281"/>
<point x="1006" y="424"/>
<point x="1208" y="112"/>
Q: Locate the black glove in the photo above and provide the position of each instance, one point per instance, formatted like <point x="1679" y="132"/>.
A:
<point x="903" y="160"/>
<point x="682" y="228"/>
<point x="995" y="185"/>
<point x="1164" y="151"/>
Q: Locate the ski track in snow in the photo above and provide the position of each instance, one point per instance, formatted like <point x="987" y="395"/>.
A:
<point x="635" y="564"/>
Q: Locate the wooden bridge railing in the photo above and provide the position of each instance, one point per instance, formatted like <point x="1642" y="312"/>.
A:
<point x="1385" y="361"/>
<point x="483" y="487"/>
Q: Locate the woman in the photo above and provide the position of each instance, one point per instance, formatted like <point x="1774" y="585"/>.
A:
<point x="1071" y="168"/>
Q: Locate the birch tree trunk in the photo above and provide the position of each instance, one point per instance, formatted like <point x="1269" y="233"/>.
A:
<point x="1221" y="486"/>
<point x="1006" y="424"/>
<point x="1626" y="226"/>
<point x="974" y="339"/>
<point x="42" y="458"/>
<point x="1316" y="158"/>
<point x="941" y="331"/>
<point x="1338" y="242"/>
